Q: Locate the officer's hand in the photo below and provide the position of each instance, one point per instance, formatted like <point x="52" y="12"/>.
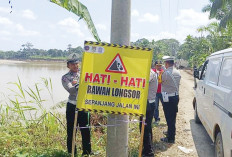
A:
<point x="74" y="82"/>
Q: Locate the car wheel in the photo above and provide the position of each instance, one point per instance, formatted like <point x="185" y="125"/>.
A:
<point x="219" y="152"/>
<point x="196" y="118"/>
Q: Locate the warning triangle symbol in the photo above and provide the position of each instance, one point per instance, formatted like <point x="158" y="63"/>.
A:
<point x="116" y="65"/>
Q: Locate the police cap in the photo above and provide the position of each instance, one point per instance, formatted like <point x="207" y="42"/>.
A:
<point x="72" y="58"/>
<point x="168" y="58"/>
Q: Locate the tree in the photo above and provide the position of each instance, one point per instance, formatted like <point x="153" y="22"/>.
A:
<point x="28" y="52"/>
<point x="69" y="48"/>
<point x="27" y="46"/>
<point x="220" y="38"/>
<point x="168" y="47"/>
<point x="141" y="43"/>
<point x="79" y="50"/>
<point x="221" y="10"/>
<point x="195" y="50"/>
<point x="162" y="47"/>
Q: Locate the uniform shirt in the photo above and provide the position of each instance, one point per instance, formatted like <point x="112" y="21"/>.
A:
<point x="71" y="88"/>
<point x="168" y="84"/>
<point x="159" y="72"/>
<point x="153" y="85"/>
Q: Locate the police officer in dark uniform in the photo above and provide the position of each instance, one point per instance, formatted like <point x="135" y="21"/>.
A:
<point x="70" y="82"/>
<point x="148" y="150"/>
<point x="170" y="93"/>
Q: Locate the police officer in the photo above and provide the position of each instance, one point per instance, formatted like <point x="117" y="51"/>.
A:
<point x="147" y="140"/>
<point x="170" y="93"/>
<point x="158" y="69"/>
<point x="70" y="82"/>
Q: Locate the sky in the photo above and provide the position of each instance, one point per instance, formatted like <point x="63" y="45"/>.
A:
<point x="48" y="26"/>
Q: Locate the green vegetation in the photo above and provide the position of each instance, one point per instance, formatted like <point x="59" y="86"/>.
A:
<point x="28" y="129"/>
<point x="161" y="47"/>
<point x="214" y="37"/>
<point x="194" y="49"/>
<point x="220" y="10"/>
<point x="28" y="52"/>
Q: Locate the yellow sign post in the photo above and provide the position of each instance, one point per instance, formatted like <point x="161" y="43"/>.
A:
<point x="114" y="79"/>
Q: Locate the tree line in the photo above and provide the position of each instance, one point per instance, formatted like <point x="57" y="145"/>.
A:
<point x="28" y="52"/>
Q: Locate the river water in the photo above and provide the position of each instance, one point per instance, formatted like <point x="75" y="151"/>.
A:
<point x="31" y="72"/>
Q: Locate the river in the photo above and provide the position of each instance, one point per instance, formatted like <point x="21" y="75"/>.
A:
<point x="31" y="72"/>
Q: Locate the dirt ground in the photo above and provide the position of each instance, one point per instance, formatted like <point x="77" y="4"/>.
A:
<point x="188" y="134"/>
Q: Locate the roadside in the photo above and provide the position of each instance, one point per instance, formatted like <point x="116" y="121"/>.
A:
<point x="189" y="135"/>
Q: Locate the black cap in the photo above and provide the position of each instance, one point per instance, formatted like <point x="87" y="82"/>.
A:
<point x="158" y="63"/>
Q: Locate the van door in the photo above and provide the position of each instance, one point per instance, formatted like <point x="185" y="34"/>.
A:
<point x="210" y="86"/>
<point x="200" y="92"/>
<point x="223" y="104"/>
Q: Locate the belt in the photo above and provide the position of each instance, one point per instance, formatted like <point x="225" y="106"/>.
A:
<point x="173" y="94"/>
<point x="72" y="102"/>
<point x="151" y="101"/>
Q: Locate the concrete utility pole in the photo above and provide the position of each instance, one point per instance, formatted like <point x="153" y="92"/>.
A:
<point x="117" y="137"/>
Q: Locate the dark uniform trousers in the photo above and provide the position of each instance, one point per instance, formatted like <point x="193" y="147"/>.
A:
<point x="170" y="110"/>
<point x="147" y="139"/>
<point x="82" y="121"/>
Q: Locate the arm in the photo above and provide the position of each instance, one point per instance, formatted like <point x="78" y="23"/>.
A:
<point x="164" y="77"/>
<point x="68" y="85"/>
<point x="156" y="82"/>
<point x="153" y="86"/>
<point x="152" y="76"/>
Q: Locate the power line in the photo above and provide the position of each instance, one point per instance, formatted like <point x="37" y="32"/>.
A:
<point x="10" y="2"/>
<point x="161" y="13"/>
<point x="177" y="14"/>
<point x="169" y="16"/>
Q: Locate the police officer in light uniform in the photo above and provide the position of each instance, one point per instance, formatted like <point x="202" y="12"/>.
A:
<point x="170" y="92"/>
<point x="158" y="69"/>
<point x="147" y="140"/>
<point x="70" y="82"/>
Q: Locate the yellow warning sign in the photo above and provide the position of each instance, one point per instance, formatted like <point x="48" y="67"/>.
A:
<point x="114" y="79"/>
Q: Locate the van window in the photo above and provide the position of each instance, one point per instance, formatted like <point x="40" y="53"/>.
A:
<point x="203" y="70"/>
<point x="226" y="74"/>
<point x="212" y="72"/>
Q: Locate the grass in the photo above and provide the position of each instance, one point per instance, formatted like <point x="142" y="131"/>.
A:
<point x="27" y="129"/>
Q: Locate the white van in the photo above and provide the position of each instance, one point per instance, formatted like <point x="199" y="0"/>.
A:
<point x="213" y="100"/>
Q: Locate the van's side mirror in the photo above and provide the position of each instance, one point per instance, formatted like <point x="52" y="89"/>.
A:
<point x="196" y="73"/>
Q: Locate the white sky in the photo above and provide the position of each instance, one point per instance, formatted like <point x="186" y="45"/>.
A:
<point x="47" y="25"/>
